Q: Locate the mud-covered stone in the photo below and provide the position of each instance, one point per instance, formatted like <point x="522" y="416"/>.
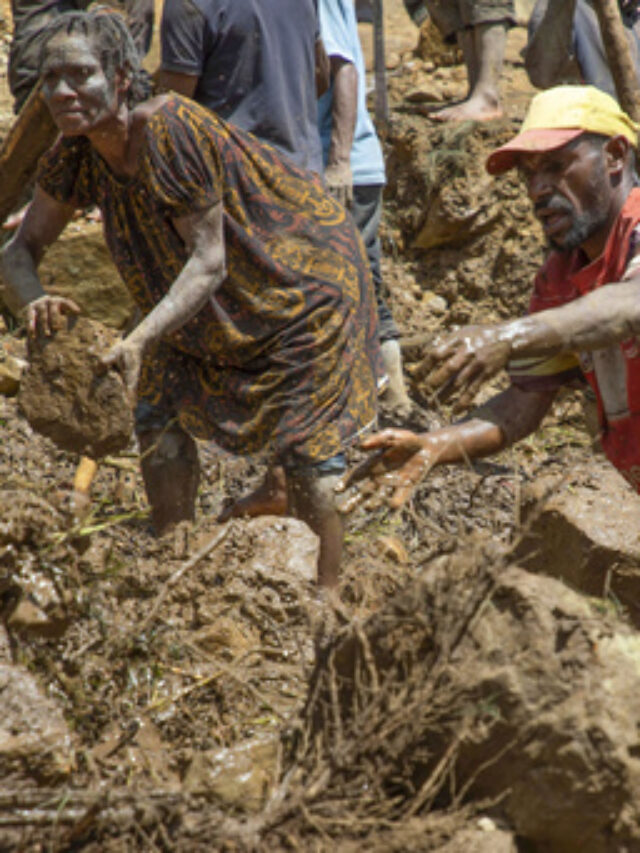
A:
<point x="32" y="604"/>
<point x="35" y="741"/>
<point x="240" y="778"/>
<point x="488" y="683"/>
<point x="26" y="520"/>
<point x="285" y="546"/>
<point x="584" y="527"/>
<point x="68" y="396"/>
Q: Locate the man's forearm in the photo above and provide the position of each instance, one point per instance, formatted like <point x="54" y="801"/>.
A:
<point x="344" y="110"/>
<point x="502" y="421"/>
<point x="603" y="317"/>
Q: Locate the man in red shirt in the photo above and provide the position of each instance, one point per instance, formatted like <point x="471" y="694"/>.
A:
<point x="576" y="154"/>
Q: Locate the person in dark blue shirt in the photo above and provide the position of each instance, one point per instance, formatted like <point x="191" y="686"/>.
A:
<point x="253" y="64"/>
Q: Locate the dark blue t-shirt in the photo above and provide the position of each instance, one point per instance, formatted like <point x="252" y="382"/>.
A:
<point x="255" y="63"/>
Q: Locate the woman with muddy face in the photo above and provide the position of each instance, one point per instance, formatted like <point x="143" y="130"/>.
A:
<point x="258" y="324"/>
<point x="88" y="75"/>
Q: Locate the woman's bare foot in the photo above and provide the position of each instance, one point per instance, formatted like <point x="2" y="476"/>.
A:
<point x="270" y="498"/>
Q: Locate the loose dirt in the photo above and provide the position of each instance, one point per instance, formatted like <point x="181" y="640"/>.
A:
<point x="159" y="660"/>
<point x="67" y="394"/>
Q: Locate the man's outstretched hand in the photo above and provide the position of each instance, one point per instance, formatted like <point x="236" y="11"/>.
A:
<point x="400" y="459"/>
<point x="460" y="363"/>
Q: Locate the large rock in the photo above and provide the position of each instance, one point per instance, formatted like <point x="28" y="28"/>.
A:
<point x="35" y="741"/>
<point x="67" y="395"/>
<point x="482" y="682"/>
<point x="284" y="547"/>
<point x="584" y="527"/>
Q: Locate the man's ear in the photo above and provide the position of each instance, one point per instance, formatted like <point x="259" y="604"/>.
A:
<point x="616" y="153"/>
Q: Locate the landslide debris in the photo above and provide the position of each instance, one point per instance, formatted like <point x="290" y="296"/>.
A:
<point x="479" y="682"/>
<point x="449" y="702"/>
<point x="68" y="396"/>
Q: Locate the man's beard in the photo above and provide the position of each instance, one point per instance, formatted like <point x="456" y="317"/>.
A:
<point x="582" y="227"/>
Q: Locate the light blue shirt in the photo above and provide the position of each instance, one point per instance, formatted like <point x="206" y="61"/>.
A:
<point x="339" y="32"/>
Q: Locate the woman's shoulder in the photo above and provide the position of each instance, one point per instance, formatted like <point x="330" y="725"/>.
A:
<point x="171" y="108"/>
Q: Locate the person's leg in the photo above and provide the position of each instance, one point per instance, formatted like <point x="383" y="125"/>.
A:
<point x="482" y="35"/>
<point x="269" y="498"/>
<point x="366" y="210"/>
<point x="548" y="56"/>
<point x="312" y="499"/>
<point x="483" y="47"/>
<point x="590" y="51"/>
<point x="171" y="474"/>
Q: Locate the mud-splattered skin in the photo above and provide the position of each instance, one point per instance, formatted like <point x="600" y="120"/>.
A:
<point x="571" y="194"/>
<point x="75" y="87"/>
<point x="577" y="192"/>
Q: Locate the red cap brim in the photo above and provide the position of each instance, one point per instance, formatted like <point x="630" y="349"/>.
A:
<point x="534" y="141"/>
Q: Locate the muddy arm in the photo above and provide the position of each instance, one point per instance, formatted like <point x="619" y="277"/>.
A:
<point x="401" y="459"/>
<point x="502" y="421"/>
<point x="550" y="44"/>
<point x="344" y="108"/>
<point x="44" y="222"/>
<point x="466" y="359"/>
<point x="198" y="280"/>
<point x="603" y="317"/>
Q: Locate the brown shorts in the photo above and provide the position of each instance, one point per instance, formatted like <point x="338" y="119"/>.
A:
<point x="450" y="16"/>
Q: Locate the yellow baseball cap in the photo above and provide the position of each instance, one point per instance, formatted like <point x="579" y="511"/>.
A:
<point x="561" y="114"/>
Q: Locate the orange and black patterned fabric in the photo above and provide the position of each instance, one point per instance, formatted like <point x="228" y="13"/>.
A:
<point x="286" y="352"/>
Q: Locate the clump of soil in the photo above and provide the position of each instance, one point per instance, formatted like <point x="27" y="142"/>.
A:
<point x="479" y="681"/>
<point x="67" y="395"/>
<point x="165" y="663"/>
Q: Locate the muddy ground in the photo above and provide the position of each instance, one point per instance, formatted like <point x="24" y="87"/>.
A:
<point x="155" y="657"/>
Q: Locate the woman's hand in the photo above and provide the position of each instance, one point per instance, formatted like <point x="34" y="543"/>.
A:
<point x="126" y="358"/>
<point x="46" y="315"/>
<point x="463" y="361"/>
<point x="400" y="460"/>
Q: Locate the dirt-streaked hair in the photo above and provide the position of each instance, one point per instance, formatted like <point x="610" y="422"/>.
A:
<point x="108" y="32"/>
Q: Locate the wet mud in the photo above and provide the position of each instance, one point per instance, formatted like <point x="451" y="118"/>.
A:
<point x="195" y="692"/>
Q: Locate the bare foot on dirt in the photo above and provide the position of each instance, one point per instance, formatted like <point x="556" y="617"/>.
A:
<point x="477" y="108"/>
<point x="270" y="498"/>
